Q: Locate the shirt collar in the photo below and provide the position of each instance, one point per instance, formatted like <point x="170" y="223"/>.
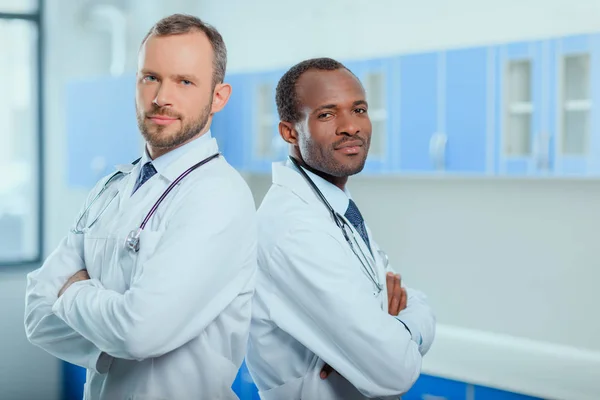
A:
<point x="173" y="163"/>
<point x="286" y="174"/>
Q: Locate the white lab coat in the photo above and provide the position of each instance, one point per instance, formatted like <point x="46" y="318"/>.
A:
<point x="315" y="305"/>
<point x="171" y="321"/>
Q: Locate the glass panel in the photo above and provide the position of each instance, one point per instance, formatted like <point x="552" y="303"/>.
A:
<point x="378" y="134"/>
<point x="19" y="188"/>
<point x="265" y="143"/>
<point x="266" y="99"/>
<point x="577" y="77"/>
<point x="375" y="88"/>
<point x="518" y="135"/>
<point x="266" y="108"/>
<point x="519" y="81"/>
<point x="18" y="6"/>
<point x="576" y="128"/>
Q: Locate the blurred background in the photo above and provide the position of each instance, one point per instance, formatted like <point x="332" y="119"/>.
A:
<point x="482" y="183"/>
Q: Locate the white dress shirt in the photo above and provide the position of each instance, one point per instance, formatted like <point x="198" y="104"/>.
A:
<point x="314" y="304"/>
<point x="170" y="321"/>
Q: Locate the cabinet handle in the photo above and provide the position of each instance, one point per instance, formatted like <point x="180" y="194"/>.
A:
<point x="542" y="151"/>
<point x="437" y="150"/>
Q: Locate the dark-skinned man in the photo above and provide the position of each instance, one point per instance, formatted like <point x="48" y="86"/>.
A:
<point x="331" y="319"/>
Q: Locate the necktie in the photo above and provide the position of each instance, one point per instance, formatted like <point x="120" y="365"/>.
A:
<point x="354" y="216"/>
<point x="146" y="173"/>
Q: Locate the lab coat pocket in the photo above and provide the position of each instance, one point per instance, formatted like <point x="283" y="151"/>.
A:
<point x="148" y="242"/>
<point x="284" y="391"/>
<point x="335" y="387"/>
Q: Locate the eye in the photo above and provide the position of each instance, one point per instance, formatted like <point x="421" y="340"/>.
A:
<point x="185" y="82"/>
<point x="361" y="110"/>
<point x="149" y="78"/>
<point x="324" y="115"/>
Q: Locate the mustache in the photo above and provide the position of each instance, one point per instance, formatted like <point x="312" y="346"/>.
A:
<point x="162" y="111"/>
<point x="349" y="139"/>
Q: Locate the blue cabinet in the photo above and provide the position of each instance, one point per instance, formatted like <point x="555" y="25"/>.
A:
<point x="485" y="393"/>
<point x="524" y="129"/>
<point x="380" y="81"/>
<point x="418" y="111"/>
<point x="515" y="109"/>
<point x="265" y="145"/>
<point x="101" y="128"/>
<point x="231" y="125"/>
<point x="430" y="387"/>
<point x="546" y="124"/>
<point x="467" y="107"/>
<point x="445" y="106"/>
<point x="575" y="84"/>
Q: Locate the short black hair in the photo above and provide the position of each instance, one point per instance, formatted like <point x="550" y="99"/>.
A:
<point x="178" y="24"/>
<point x="286" y="97"/>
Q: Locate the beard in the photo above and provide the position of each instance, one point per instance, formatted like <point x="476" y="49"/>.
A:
<point x="158" y="136"/>
<point x="324" y="158"/>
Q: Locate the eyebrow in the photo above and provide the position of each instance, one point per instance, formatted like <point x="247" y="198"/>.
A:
<point x="179" y="77"/>
<point x="186" y="77"/>
<point x="333" y="106"/>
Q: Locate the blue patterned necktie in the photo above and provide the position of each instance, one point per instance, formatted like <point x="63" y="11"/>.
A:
<point x="147" y="172"/>
<point x="354" y="216"/>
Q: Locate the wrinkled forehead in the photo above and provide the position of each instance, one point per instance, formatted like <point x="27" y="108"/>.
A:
<point x="317" y="88"/>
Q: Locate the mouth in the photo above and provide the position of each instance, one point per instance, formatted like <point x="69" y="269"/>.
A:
<point x="162" y="119"/>
<point x="350" y="147"/>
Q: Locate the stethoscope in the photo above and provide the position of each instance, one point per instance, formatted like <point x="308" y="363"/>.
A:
<point x="132" y="242"/>
<point x="345" y="228"/>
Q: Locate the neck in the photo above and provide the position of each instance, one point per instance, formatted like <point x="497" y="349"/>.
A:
<point x="339" y="181"/>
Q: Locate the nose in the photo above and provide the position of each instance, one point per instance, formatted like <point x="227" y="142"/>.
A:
<point x="163" y="96"/>
<point x="348" y="125"/>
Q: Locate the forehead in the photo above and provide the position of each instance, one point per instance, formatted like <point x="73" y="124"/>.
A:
<point x="187" y="50"/>
<point x="321" y="87"/>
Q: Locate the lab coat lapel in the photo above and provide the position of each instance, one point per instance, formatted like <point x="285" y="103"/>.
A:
<point x="287" y="177"/>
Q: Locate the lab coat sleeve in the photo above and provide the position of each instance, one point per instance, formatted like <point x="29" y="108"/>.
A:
<point x="321" y="301"/>
<point x="197" y="269"/>
<point x="42" y="327"/>
<point x="418" y="317"/>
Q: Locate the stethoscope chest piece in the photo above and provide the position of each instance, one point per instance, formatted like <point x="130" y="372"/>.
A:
<point x="133" y="240"/>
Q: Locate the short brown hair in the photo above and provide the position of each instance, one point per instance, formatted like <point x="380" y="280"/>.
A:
<point x="178" y="24"/>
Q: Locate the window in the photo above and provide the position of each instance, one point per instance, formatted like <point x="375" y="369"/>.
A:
<point x="576" y="104"/>
<point x="20" y="133"/>
<point x="519" y="109"/>
<point x="374" y="83"/>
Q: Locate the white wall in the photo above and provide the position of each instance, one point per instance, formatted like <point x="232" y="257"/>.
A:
<point x="269" y="33"/>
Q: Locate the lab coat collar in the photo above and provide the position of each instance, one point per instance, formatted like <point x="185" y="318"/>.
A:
<point x="125" y="168"/>
<point x="286" y="174"/>
<point x="175" y="162"/>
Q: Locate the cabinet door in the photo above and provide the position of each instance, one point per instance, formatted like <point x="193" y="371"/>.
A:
<point x="467" y="107"/>
<point x="419" y="111"/>
<point x="266" y="145"/>
<point x="230" y="126"/>
<point x="523" y="133"/>
<point x="577" y="88"/>
<point x="380" y="82"/>
<point x="103" y="135"/>
<point x="434" y="388"/>
<point x="485" y="393"/>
